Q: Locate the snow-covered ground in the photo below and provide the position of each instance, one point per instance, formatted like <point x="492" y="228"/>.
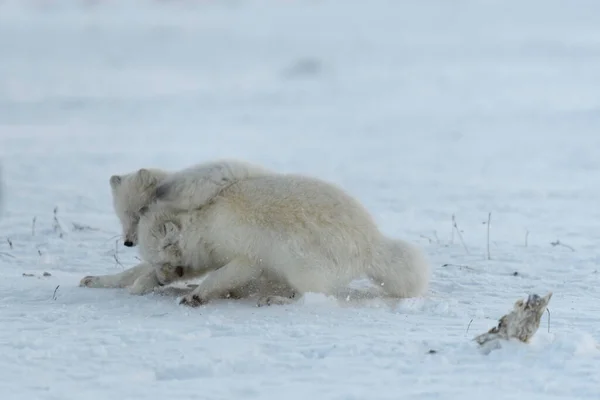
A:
<point x="421" y="109"/>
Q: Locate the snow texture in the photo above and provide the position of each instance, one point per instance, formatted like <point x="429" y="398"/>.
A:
<point x="420" y="109"/>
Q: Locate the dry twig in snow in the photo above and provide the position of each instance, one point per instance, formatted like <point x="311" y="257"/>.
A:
<point x="56" y="226"/>
<point x="489" y="257"/>
<point x="455" y="226"/>
<point x="521" y="323"/>
<point x="559" y="243"/>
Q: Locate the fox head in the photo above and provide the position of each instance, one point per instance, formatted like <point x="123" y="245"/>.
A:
<point x="130" y="193"/>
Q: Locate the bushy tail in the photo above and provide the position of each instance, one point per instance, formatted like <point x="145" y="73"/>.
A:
<point x="402" y="271"/>
<point x="194" y="187"/>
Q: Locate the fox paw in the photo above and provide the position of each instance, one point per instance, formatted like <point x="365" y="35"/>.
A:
<point x="90" y="281"/>
<point x="193" y="300"/>
<point x="144" y="285"/>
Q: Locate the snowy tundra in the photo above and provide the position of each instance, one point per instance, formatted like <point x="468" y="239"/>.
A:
<point x="422" y="110"/>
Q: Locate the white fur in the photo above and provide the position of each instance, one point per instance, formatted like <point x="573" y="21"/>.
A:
<point x="140" y="279"/>
<point x="297" y="230"/>
<point x="192" y="187"/>
<point x="132" y="192"/>
<point x="189" y="188"/>
<point x="195" y="186"/>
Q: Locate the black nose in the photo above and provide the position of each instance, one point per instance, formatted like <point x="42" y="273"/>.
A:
<point x="128" y="243"/>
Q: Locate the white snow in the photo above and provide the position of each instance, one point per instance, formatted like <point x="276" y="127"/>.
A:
<point x="421" y="109"/>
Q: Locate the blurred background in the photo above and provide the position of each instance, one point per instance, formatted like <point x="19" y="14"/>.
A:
<point x="420" y="108"/>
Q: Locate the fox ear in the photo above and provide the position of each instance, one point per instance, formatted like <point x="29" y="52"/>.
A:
<point x="115" y="181"/>
<point x="147" y="178"/>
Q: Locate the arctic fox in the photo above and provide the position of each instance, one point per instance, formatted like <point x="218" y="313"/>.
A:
<point x="135" y="191"/>
<point x="301" y="231"/>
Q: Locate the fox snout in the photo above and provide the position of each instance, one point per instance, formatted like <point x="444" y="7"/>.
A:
<point x="130" y="240"/>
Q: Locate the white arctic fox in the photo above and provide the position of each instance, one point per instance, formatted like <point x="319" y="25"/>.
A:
<point x="189" y="188"/>
<point x="304" y="232"/>
<point x="284" y="232"/>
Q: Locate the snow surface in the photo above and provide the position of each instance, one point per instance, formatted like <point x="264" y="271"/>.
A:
<point x="421" y="109"/>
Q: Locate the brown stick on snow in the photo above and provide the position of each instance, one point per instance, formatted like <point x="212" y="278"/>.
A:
<point x="521" y="323"/>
